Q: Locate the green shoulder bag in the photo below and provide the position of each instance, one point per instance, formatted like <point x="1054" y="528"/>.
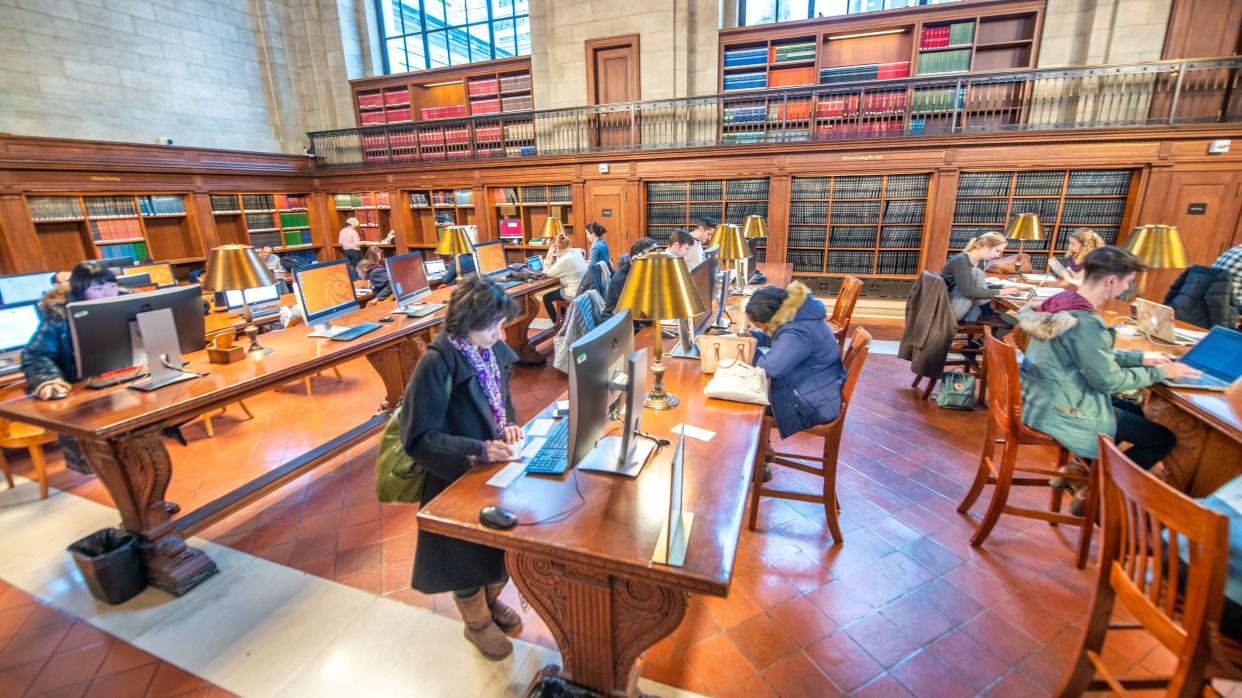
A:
<point x="398" y="479"/>
<point x="957" y="391"/>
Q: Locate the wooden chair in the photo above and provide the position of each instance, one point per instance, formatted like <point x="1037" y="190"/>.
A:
<point x="206" y="417"/>
<point x="855" y="357"/>
<point x="31" y="438"/>
<point x="1177" y="601"/>
<point x="1005" y="427"/>
<point x="843" y="308"/>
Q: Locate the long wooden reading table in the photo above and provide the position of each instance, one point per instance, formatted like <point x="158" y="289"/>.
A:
<point x="120" y="428"/>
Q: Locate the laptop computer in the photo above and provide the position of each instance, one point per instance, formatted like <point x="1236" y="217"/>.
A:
<point x="1217" y="357"/>
<point x="1155" y="320"/>
<point x="435" y="268"/>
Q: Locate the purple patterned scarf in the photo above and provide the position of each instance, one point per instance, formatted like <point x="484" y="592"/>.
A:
<point x="485" y="369"/>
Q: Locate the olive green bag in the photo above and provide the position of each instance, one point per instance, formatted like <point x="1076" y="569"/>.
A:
<point x="398" y="479"/>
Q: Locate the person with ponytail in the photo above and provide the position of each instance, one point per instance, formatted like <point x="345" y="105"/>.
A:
<point x="968" y="288"/>
<point x="1082" y="242"/>
<point x="565" y="264"/>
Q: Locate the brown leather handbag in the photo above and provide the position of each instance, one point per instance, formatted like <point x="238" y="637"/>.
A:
<point x="716" y="348"/>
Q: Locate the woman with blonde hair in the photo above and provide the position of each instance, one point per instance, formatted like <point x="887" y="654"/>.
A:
<point x="1081" y="243"/>
<point x="968" y="288"/>
<point x="566" y="264"/>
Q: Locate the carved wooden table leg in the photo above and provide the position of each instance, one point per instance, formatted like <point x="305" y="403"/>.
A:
<point x="517" y="334"/>
<point x="136" y="470"/>
<point x="395" y="365"/>
<point x="1204" y="459"/>
<point x="602" y="623"/>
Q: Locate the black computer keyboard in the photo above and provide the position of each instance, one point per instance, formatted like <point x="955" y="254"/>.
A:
<point x="553" y="455"/>
<point x="356" y="331"/>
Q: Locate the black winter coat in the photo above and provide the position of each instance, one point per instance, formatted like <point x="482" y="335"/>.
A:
<point x="616" y="284"/>
<point x="377" y="276"/>
<point x="445" y="418"/>
<point x="1203" y="296"/>
<point x="49" y="355"/>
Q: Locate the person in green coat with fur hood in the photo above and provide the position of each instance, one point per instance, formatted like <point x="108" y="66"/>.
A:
<point x="1071" y="370"/>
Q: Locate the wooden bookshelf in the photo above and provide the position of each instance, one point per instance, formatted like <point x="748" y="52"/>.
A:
<point x="680" y="204"/>
<point x="258" y="219"/>
<point x="73" y="227"/>
<point x="950" y="40"/>
<point x="431" y="209"/>
<point x="1064" y="200"/>
<point x="373" y="211"/>
<point x="870" y="226"/>
<point x="520" y="214"/>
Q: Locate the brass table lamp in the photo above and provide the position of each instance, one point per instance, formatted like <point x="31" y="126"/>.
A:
<point x="733" y="248"/>
<point x="1157" y="247"/>
<point x="1024" y="226"/>
<point x="237" y="268"/>
<point x="552" y="227"/>
<point x="752" y="229"/>
<point x="453" y="240"/>
<point x="659" y="288"/>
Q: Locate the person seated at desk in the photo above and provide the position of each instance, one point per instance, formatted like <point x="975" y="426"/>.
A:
<point x="682" y="244"/>
<point x="1071" y="371"/>
<point x="599" y="248"/>
<point x="373" y="270"/>
<point x="803" y="360"/>
<point x="968" y="289"/>
<point x="457" y="412"/>
<point x="617" y="282"/>
<point x="268" y="254"/>
<point x="1082" y="242"/>
<point x="1231" y="261"/>
<point x="466" y="261"/>
<point x="60" y="281"/>
<point x="566" y="264"/>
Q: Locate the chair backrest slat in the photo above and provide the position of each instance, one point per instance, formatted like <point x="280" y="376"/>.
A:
<point x="1000" y="360"/>
<point x="855" y="357"/>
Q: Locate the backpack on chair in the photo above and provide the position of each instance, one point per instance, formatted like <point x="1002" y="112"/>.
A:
<point x="957" y="390"/>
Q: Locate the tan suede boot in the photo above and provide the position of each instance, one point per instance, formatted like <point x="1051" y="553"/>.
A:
<point x="506" y="618"/>
<point x="480" y="629"/>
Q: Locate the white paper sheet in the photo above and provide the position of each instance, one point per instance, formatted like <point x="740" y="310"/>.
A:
<point x="539" y="427"/>
<point x="693" y="432"/>
<point x="506" y="475"/>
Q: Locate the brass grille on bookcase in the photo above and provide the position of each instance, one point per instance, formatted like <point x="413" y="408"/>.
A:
<point x="225" y="203"/>
<point x="857" y="187"/>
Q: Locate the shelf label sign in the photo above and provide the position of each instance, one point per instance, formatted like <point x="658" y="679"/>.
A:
<point x="606" y="213"/>
<point x="1196" y="209"/>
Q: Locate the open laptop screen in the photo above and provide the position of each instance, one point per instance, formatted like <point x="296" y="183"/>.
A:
<point x="1218" y="354"/>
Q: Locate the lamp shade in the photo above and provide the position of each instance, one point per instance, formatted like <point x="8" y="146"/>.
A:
<point x="1157" y="246"/>
<point x="552" y="227"/>
<point x="235" y="268"/>
<point x="454" y="241"/>
<point x="731" y="242"/>
<point x="659" y="287"/>
<point x="1025" y="226"/>
<point x="754" y="227"/>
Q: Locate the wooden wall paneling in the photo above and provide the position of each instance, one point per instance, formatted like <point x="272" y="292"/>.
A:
<point x="941" y="200"/>
<point x="21" y="250"/>
<point x="610" y="196"/>
<point x="324" y="227"/>
<point x="1203" y="29"/>
<point x="400" y="218"/>
<point x="578" y="214"/>
<point x="780" y="187"/>
<point x="484" y="213"/>
<point x="201" y="220"/>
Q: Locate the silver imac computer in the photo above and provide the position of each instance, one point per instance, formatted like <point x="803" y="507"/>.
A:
<point x="409" y="282"/>
<point x="325" y="293"/>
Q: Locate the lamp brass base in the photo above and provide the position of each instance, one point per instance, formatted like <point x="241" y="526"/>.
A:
<point x="661" y="400"/>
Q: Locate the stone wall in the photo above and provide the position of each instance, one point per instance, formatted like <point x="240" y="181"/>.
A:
<point x="1098" y="32"/>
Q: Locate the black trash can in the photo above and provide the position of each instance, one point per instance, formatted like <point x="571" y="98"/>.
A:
<point x="111" y="564"/>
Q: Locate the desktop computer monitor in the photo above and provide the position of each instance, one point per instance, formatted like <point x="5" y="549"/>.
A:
<point x="253" y="296"/>
<point x="325" y="292"/>
<point x="101" y="333"/>
<point x="703" y="277"/>
<point x="115" y="263"/>
<point x="599" y="376"/>
<point x="408" y="277"/>
<point x="161" y="274"/>
<point x="17" y="325"/>
<point x="24" y="288"/>
<point x="489" y="258"/>
<point x="134" y="281"/>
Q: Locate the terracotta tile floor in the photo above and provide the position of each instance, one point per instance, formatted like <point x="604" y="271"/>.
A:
<point x="44" y="652"/>
<point x="905" y="607"/>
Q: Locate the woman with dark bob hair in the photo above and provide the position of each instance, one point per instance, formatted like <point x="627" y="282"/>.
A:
<point x="457" y="412"/>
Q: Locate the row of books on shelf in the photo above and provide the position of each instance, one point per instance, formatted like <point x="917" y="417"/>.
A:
<point x="515" y="83"/>
<point x="861" y="187"/>
<point x="556" y="194"/>
<point x="1099" y="183"/>
<point x="866" y="71"/>
<point x="133" y="250"/>
<point x="791" y="77"/>
<point x="452" y="111"/>
<point x="1044" y="183"/>
<point x="746" y="81"/>
<point x="946" y="35"/>
<point x="734" y="137"/>
<point x="944" y="62"/>
<point x="361" y="199"/>
<point x="261" y="221"/>
<point x="54" y="208"/>
<point x="109" y="206"/>
<point x="867" y="129"/>
<point x="517" y="103"/>
<point x="482" y="86"/>
<point x="276" y="239"/>
<point x="394" y="97"/>
<point x="849" y="262"/>
<point x="897" y="263"/>
<point x="788" y="53"/>
<point x="1086" y="211"/>
<point x="161" y="205"/>
<point x="739" y="57"/>
<point x="938" y="99"/>
<point x="445" y="216"/>
<point x="981" y="211"/>
<point x="490" y="105"/>
<point x="116" y="229"/>
<point x="269" y="221"/>
<point x="367" y="217"/>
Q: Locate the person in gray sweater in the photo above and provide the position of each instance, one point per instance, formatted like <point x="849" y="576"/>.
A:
<point x="968" y="289"/>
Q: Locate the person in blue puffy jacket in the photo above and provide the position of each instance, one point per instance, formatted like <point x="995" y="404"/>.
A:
<point x="803" y="359"/>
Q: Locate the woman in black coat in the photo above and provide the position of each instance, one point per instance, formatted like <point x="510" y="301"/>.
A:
<point x="457" y="412"/>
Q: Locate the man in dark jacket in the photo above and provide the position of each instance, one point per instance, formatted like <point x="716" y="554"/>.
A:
<point x="622" y="274"/>
<point x="1203" y="296"/>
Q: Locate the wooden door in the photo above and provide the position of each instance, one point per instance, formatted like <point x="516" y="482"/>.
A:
<point x="1205" y="208"/>
<point x="606" y="204"/>
<point x="612" y="78"/>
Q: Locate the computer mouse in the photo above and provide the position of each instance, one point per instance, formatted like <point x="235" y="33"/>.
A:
<point x="495" y="517"/>
<point x="386" y="318"/>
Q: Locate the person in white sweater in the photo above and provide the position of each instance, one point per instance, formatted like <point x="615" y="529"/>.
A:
<point x="569" y="266"/>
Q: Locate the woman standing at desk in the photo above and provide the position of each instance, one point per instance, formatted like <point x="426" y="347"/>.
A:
<point x="457" y="412"/>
